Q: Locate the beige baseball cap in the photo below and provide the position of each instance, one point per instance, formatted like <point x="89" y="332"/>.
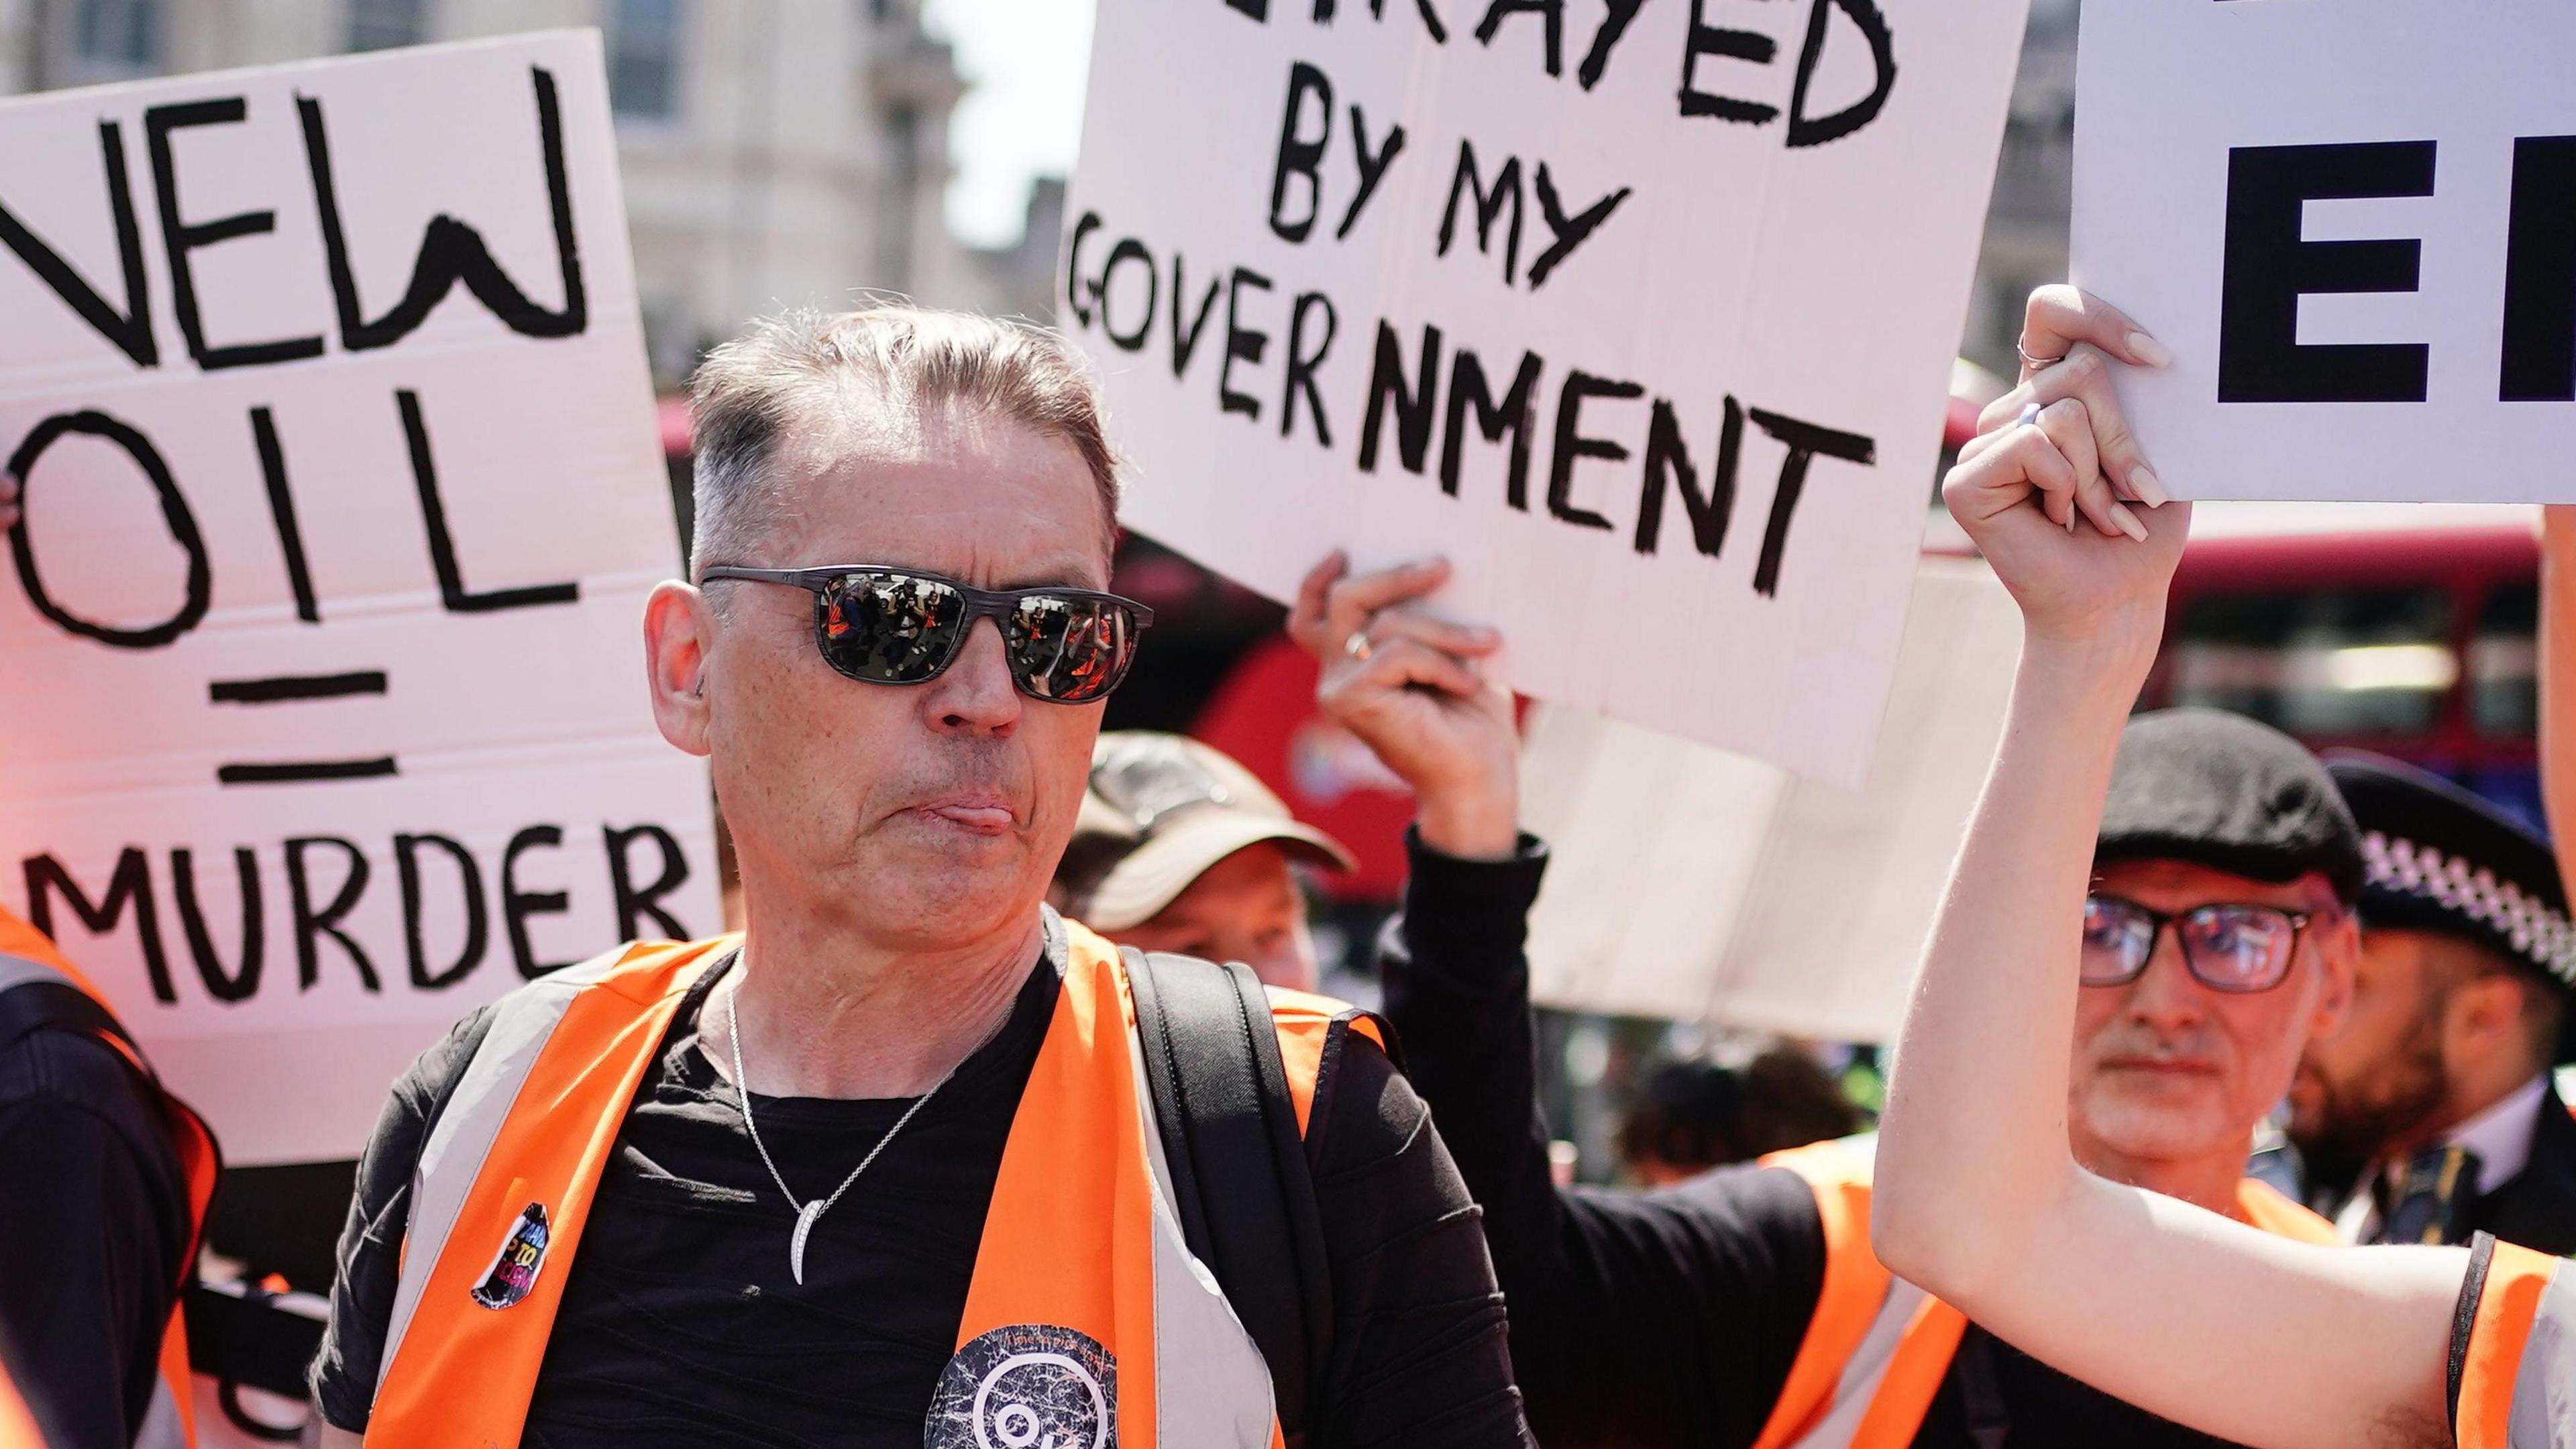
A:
<point x="1161" y="810"/>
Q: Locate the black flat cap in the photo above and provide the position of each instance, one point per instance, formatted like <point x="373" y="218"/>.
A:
<point x="2441" y="859"/>
<point x="2223" y="791"/>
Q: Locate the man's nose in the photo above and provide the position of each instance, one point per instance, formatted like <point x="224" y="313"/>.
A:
<point x="975" y="694"/>
<point x="2166" y="993"/>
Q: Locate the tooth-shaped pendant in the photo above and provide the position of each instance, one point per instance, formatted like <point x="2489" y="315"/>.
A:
<point x="796" y="1245"/>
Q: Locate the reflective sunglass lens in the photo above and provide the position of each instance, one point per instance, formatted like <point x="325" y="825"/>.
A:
<point x="890" y="628"/>
<point x="1070" y="650"/>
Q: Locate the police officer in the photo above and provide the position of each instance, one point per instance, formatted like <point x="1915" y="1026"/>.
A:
<point x="2431" y="1115"/>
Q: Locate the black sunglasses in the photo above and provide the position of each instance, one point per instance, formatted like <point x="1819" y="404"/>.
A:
<point x="2239" y="949"/>
<point x="882" y="625"/>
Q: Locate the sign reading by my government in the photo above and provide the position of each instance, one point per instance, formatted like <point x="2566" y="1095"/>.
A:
<point x="322" y="717"/>
<point x="1641" y="311"/>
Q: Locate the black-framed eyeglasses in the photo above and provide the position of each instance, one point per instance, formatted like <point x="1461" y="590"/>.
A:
<point x="883" y="625"/>
<point x="2233" y="948"/>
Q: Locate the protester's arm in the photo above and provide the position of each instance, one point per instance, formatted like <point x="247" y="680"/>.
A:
<point x="1635" y="1318"/>
<point x="2558" y="676"/>
<point x="92" y="1228"/>
<point x="2232" y="1331"/>
<point x="1420" y="1355"/>
<point x="1412" y="687"/>
<point x="370" y="1253"/>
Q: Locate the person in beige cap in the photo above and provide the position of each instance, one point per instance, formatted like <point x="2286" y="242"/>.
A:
<point x="1179" y="848"/>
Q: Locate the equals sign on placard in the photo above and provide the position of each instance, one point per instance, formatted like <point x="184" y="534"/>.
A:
<point x="289" y="689"/>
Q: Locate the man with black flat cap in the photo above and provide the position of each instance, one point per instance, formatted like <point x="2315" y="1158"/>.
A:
<point x="2431" y="1115"/>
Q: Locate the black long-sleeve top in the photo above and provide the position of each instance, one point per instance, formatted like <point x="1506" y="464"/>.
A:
<point x="93" y="1232"/>
<point x="681" y="1322"/>
<point x="1665" y="1318"/>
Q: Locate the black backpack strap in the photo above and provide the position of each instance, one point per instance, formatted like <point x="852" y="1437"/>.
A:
<point x="50" y="1004"/>
<point x="246" y="1336"/>
<point x="2464" y="1319"/>
<point x="1240" y="1182"/>
<point x="1981" y="1389"/>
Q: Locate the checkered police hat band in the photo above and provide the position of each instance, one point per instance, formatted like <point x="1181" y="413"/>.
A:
<point x="2541" y="935"/>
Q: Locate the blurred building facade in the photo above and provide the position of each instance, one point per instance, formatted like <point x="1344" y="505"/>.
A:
<point x="775" y="152"/>
<point x="2025" y="242"/>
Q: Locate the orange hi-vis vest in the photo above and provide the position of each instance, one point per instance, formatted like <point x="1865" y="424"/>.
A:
<point x="1877" y="1347"/>
<point x="17" y="1426"/>
<point x="2516" y="1366"/>
<point x="1086" y="1316"/>
<point x="29" y="960"/>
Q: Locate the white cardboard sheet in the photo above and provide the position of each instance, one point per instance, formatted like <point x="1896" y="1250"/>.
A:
<point x="1794" y="195"/>
<point x="1690" y="884"/>
<point x="2421" y="156"/>
<point x="469" y="766"/>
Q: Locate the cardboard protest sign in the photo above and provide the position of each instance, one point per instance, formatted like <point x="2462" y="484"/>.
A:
<point x="322" y="717"/>
<point x="1641" y="313"/>
<point x="2355" y="225"/>
<point x="1696" y="885"/>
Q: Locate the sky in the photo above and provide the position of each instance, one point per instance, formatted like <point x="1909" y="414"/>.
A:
<point x="1026" y="61"/>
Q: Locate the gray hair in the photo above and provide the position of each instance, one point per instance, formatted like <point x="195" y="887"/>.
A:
<point x="895" y="357"/>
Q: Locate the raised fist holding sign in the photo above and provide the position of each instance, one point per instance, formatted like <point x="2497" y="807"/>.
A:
<point x="2084" y="564"/>
<point x="1411" y="687"/>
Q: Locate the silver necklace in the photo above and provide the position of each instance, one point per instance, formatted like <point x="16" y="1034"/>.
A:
<point x="807" y="1213"/>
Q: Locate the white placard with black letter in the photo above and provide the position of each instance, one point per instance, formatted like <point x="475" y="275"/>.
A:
<point x="1641" y="313"/>
<point x="322" y="716"/>
<point x="2354" y="223"/>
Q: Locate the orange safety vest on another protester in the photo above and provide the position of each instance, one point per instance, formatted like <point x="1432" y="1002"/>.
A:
<point x="17" y="1425"/>
<point x="28" y="959"/>
<point x="1877" y="1347"/>
<point x="2513" y="1389"/>
<point x="1086" y="1310"/>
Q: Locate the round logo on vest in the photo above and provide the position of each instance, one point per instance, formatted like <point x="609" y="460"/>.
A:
<point x="1026" y="1386"/>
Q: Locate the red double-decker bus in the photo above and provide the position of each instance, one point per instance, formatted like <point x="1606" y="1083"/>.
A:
<point x="2406" y="628"/>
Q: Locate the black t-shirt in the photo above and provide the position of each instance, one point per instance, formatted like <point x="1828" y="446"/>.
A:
<point x="93" y="1230"/>
<point x="681" y="1322"/>
<point x="1664" y="1318"/>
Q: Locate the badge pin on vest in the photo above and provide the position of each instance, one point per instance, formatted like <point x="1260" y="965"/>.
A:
<point x="513" y="1274"/>
<point x="1026" y="1386"/>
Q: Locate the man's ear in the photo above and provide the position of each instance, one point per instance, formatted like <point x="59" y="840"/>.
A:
<point x="2484" y="1017"/>
<point x="2339" y="961"/>
<point x="679" y="632"/>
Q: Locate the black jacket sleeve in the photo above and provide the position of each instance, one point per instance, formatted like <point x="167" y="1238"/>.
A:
<point x="1668" y="1317"/>
<point x="370" y="1254"/>
<point x="93" y="1230"/>
<point x="1419" y="1350"/>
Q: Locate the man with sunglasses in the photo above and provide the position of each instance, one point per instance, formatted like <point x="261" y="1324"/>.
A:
<point x="883" y="1170"/>
<point x="1744" y="1307"/>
